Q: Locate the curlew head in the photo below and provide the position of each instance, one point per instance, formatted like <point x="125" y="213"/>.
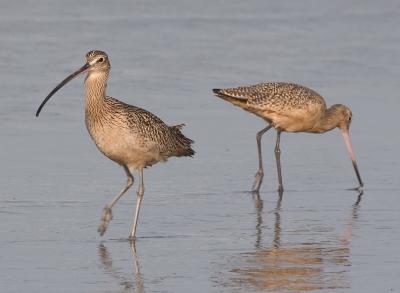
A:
<point x="98" y="60"/>
<point x="95" y="61"/>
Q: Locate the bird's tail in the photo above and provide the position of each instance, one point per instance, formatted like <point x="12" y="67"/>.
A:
<point x="237" y="101"/>
<point x="184" y="144"/>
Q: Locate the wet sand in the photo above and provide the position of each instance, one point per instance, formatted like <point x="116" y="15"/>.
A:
<point x="199" y="229"/>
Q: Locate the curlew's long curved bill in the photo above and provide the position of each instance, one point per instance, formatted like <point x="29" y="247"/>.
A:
<point x="83" y="69"/>
<point x="347" y="141"/>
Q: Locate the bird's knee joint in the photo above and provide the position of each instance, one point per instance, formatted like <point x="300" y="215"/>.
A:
<point x="107" y="214"/>
<point x="277" y="151"/>
<point x="140" y="191"/>
<point x="258" y="137"/>
<point x="130" y="181"/>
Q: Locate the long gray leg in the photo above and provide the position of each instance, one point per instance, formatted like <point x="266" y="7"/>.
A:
<point x="139" y="198"/>
<point x="138" y="276"/>
<point x="278" y="160"/>
<point x="260" y="173"/>
<point x="107" y="214"/>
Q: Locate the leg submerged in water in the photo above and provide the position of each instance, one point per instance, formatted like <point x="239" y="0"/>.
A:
<point x="107" y="213"/>
<point x="278" y="161"/>
<point x="260" y="173"/>
<point x="139" y="198"/>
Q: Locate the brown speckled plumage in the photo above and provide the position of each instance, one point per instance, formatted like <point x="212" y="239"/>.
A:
<point x="276" y="96"/>
<point x="128" y="135"/>
<point x="278" y="102"/>
<point x="292" y="108"/>
<point x="151" y="139"/>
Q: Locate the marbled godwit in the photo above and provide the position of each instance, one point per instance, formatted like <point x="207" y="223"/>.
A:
<point x="128" y="135"/>
<point x="292" y="108"/>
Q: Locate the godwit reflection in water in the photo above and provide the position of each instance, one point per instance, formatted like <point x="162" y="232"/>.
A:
<point x="129" y="283"/>
<point x="298" y="267"/>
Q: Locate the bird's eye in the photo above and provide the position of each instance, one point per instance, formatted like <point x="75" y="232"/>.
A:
<point x="101" y="60"/>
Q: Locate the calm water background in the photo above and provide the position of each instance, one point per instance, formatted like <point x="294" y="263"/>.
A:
<point x="199" y="230"/>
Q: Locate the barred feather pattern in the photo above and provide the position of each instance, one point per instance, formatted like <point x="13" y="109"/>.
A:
<point x="169" y="139"/>
<point x="127" y="134"/>
<point x="278" y="97"/>
<point x="286" y="106"/>
<point x="133" y="136"/>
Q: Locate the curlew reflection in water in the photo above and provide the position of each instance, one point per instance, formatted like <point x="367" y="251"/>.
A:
<point x="127" y="282"/>
<point x="294" y="267"/>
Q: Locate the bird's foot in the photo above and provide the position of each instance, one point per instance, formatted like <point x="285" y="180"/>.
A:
<point x="105" y="219"/>
<point x="359" y="189"/>
<point x="257" y="180"/>
<point x="132" y="239"/>
<point x="280" y="190"/>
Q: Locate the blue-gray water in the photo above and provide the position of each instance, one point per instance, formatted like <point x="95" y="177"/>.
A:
<point x="199" y="231"/>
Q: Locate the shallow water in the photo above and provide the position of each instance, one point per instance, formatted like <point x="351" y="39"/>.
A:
<point x="199" y="230"/>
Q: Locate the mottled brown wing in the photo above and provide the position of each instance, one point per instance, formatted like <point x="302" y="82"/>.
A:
<point x="278" y="97"/>
<point x="154" y="133"/>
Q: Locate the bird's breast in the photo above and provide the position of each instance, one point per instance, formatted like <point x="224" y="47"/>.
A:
<point x="121" y="143"/>
<point x="296" y="120"/>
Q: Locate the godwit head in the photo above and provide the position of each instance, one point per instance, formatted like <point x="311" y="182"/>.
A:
<point x="340" y="115"/>
<point x="344" y="118"/>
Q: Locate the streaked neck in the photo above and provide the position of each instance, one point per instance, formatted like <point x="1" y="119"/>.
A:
<point x="95" y="87"/>
<point x="327" y="122"/>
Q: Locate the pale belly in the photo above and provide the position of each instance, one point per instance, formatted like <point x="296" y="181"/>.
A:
<point x="124" y="147"/>
<point x="294" y="120"/>
<point x="292" y="123"/>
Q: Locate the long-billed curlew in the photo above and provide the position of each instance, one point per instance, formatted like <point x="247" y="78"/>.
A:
<point x="128" y="135"/>
<point x="292" y="108"/>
